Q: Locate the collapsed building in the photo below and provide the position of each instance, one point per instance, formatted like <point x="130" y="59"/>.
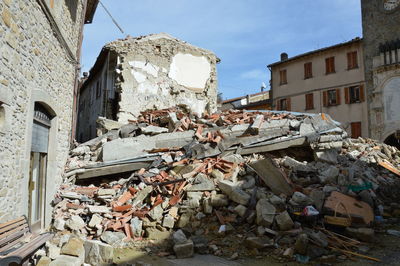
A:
<point x="276" y="183"/>
<point x="135" y="74"/>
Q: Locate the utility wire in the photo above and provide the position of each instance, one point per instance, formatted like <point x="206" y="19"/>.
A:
<point x="114" y="21"/>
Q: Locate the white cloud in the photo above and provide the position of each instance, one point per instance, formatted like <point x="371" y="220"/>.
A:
<point x="256" y="74"/>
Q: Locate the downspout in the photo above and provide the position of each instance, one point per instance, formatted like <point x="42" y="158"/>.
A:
<point x="77" y="72"/>
<point x="271" y="91"/>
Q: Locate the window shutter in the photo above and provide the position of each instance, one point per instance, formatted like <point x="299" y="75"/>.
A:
<point x="333" y="64"/>
<point x="278" y="105"/>
<point x="362" y="96"/>
<point x="325" y="98"/>
<point x="346" y="95"/>
<point x="337" y="96"/>
<point x="349" y="57"/>
<point x="327" y="65"/>
<point x="289" y="107"/>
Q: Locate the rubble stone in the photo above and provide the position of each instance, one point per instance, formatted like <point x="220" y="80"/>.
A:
<point x="65" y="260"/>
<point x="153" y="130"/>
<point x="168" y="221"/>
<point x="258" y="242"/>
<point x="284" y="221"/>
<point x="301" y="245"/>
<point x="53" y="251"/>
<point x="106" y="192"/>
<point x="202" y="183"/>
<point x="75" y="223"/>
<point x="95" y="220"/>
<point x="136" y="226"/>
<point x="241" y="210"/>
<point x="234" y="193"/>
<point x="156" y="213"/>
<point x="363" y="234"/>
<point x="219" y="200"/>
<point x="59" y="224"/>
<point x="74" y="247"/>
<point x="301" y="199"/>
<point x="112" y="237"/>
<point x="97" y="252"/>
<point x="154" y="233"/>
<point x="98" y="209"/>
<point x="265" y="212"/>
<point x="179" y="237"/>
<point x="184" y="249"/>
<point x="43" y="261"/>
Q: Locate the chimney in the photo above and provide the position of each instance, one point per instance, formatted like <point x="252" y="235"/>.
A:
<point x="284" y="56"/>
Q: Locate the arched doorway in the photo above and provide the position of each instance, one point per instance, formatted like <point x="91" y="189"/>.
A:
<point x="393" y="140"/>
<point x="41" y="125"/>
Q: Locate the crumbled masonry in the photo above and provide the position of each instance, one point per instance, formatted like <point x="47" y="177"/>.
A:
<point x="288" y="185"/>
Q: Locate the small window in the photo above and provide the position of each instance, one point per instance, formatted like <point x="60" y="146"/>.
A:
<point x="308" y="70"/>
<point x="283" y="104"/>
<point x="331" y="97"/>
<point x="355" y="130"/>
<point x="309" y="101"/>
<point x="98" y="90"/>
<point x="2" y="116"/>
<point x="354" y="93"/>
<point x="330" y="65"/>
<point x="283" y="77"/>
<point x="352" y="61"/>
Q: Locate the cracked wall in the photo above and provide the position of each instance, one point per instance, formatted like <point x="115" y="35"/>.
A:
<point x="159" y="71"/>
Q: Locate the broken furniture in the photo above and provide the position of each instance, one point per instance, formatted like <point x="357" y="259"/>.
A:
<point x="17" y="242"/>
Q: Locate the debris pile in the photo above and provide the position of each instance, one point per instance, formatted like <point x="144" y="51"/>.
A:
<point x="282" y="184"/>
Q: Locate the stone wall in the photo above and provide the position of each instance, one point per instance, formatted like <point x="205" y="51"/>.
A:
<point x="159" y="71"/>
<point x="34" y="67"/>
<point x="379" y="26"/>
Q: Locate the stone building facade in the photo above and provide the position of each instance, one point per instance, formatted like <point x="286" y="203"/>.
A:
<point x="329" y="80"/>
<point x="149" y="72"/>
<point x="381" y="30"/>
<point x="40" y="44"/>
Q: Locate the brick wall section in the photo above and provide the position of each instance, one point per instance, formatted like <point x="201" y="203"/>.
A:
<point x="31" y="58"/>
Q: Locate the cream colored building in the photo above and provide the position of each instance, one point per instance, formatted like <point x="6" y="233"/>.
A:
<point x="328" y="80"/>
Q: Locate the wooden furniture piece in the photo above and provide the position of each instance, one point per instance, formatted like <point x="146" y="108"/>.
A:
<point x="17" y="243"/>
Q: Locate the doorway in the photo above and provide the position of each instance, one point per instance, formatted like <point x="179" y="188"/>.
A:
<point x="38" y="166"/>
<point x="393" y="140"/>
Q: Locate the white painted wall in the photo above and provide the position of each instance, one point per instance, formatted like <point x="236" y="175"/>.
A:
<point x="190" y="71"/>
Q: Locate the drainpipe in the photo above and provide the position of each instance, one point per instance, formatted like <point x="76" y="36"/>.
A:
<point x="271" y="90"/>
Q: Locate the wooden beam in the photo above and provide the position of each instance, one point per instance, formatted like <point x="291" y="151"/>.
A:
<point x="112" y="169"/>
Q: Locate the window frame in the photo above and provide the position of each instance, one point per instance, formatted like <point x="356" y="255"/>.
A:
<point x="309" y="103"/>
<point x="308" y="73"/>
<point x="330" y="65"/>
<point x="357" y="90"/>
<point x="283" y="77"/>
<point x="352" y="60"/>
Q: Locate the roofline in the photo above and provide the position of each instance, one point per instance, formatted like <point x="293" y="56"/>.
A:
<point x="91" y="7"/>
<point x="355" y="40"/>
<point x="242" y="97"/>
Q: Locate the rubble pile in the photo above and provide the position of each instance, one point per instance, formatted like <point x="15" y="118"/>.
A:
<point x="288" y="185"/>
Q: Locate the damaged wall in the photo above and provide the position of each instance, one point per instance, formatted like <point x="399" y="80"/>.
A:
<point x="35" y="68"/>
<point x="151" y="72"/>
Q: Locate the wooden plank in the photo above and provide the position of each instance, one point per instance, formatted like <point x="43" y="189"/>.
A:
<point x="12" y="222"/>
<point x="11" y="244"/>
<point x="14" y="235"/>
<point x="390" y="167"/>
<point x="112" y="169"/>
<point x="32" y="246"/>
<point x="19" y="228"/>
<point x="11" y="226"/>
<point x="356" y="254"/>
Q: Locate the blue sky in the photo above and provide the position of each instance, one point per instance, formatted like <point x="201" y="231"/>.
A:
<point x="246" y="34"/>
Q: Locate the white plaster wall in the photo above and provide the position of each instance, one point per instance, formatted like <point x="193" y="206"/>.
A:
<point x="190" y="71"/>
<point x="392" y="100"/>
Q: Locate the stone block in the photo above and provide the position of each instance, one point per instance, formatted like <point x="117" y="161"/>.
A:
<point x="234" y="192"/>
<point x="74" y="247"/>
<point x="75" y="223"/>
<point x="65" y="260"/>
<point x="112" y="237"/>
<point x="184" y="250"/>
<point x="265" y="213"/>
<point x="97" y="252"/>
<point x="284" y="221"/>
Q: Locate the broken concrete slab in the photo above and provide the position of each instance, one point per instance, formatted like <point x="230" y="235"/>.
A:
<point x="273" y="177"/>
<point x="201" y="183"/>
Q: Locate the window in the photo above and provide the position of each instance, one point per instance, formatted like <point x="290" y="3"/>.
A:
<point x="355" y="130"/>
<point x="331" y="97"/>
<point x="2" y="116"/>
<point x="354" y="94"/>
<point x="352" y="61"/>
<point x="283" y="104"/>
<point x="283" y="77"/>
<point x="330" y="65"/>
<point x="98" y="89"/>
<point x="309" y="101"/>
<point x="307" y="70"/>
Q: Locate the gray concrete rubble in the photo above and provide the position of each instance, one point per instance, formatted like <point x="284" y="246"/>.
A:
<point x="264" y="180"/>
